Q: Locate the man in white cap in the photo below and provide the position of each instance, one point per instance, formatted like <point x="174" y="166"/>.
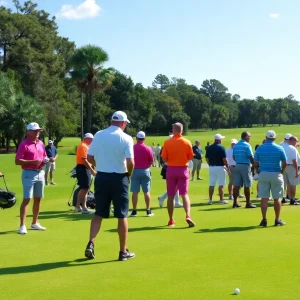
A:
<point x="84" y="170"/>
<point x="270" y="161"/>
<point x="217" y="161"/>
<point x="112" y="153"/>
<point x="243" y="156"/>
<point x="231" y="163"/>
<point x="141" y="176"/>
<point x="50" y="166"/>
<point x="197" y="160"/>
<point x="291" y="173"/>
<point x="285" y="144"/>
<point x="31" y="156"/>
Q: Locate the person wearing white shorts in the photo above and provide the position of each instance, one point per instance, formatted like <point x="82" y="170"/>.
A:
<point x="217" y="161"/>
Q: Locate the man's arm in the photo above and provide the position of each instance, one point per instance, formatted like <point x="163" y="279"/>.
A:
<point x="295" y="165"/>
<point x="251" y="160"/>
<point x="283" y="166"/>
<point x="130" y="165"/>
<point x="25" y="162"/>
<point x="226" y="164"/>
<point x="91" y="160"/>
<point x="88" y="166"/>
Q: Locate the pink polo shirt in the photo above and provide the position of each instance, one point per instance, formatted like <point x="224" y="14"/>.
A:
<point x="29" y="150"/>
<point x="143" y="156"/>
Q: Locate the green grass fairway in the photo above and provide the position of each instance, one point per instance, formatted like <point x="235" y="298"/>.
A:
<point x="226" y="250"/>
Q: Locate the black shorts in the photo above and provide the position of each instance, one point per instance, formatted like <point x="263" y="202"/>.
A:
<point x="83" y="176"/>
<point x="111" y="187"/>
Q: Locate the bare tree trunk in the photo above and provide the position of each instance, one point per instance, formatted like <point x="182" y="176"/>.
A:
<point x="81" y="114"/>
<point x="89" y="117"/>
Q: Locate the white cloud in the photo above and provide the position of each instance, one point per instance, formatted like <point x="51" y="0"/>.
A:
<point x="3" y="3"/>
<point x="86" y="10"/>
<point x="274" y="16"/>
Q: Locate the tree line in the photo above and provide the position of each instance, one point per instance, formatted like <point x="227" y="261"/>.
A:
<point x="45" y="78"/>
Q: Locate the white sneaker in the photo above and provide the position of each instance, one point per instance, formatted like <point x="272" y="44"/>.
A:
<point x="178" y="205"/>
<point x="210" y="202"/>
<point x="37" y="226"/>
<point x="77" y="210"/>
<point x="22" y="230"/>
<point x="223" y="202"/>
<point x="241" y="196"/>
<point x="86" y="211"/>
<point x="230" y="197"/>
<point x="161" y="202"/>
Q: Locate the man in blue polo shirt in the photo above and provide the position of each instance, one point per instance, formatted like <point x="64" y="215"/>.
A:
<point x="50" y="166"/>
<point x="270" y="160"/>
<point x="243" y="156"/>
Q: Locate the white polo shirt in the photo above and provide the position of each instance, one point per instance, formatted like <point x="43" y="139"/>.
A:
<point x="110" y="148"/>
<point x="229" y="155"/>
<point x="291" y="153"/>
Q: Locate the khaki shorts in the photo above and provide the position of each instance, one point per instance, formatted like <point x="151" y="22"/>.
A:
<point x="231" y="176"/>
<point x="50" y="166"/>
<point x="270" y="182"/>
<point x="289" y="176"/>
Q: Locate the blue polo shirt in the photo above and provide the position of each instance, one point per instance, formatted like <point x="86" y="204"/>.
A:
<point x="241" y="152"/>
<point x="215" y="154"/>
<point x="269" y="156"/>
<point x="51" y="151"/>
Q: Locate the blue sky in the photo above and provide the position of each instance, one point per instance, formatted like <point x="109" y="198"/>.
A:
<point x="252" y="47"/>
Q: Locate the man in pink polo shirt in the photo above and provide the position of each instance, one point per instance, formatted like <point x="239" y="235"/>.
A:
<point x="31" y="156"/>
<point x="141" y="176"/>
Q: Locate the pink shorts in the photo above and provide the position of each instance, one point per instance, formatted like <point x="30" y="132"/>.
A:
<point x="177" y="179"/>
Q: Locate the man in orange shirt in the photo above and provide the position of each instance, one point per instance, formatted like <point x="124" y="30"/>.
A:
<point x="177" y="152"/>
<point x="83" y="173"/>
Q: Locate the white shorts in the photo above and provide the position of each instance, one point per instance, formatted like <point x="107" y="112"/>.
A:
<point x="217" y="174"/>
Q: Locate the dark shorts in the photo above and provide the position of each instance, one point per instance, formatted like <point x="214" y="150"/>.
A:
<point x="83" y="176"/>
<point x="111" y="187"/>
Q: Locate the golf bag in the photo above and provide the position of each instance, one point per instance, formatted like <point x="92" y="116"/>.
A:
<point x="90" y="203"/>
<point x="7" y="199"/>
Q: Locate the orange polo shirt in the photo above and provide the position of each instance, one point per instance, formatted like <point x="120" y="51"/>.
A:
<point x="177" y="151"/>
<point x="82" y="151"/>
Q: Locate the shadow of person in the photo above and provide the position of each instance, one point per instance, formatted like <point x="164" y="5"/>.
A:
<point x="227" y="229"/>
<point x="49" y="266"/>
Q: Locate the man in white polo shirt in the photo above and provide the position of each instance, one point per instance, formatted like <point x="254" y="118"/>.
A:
<point x="112" y="153"/>
<point x="291" y="171"/>
<point x="231" y="164"/>
<point x="284" y="145"/>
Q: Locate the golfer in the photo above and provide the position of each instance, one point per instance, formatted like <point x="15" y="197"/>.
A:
<point x="197" y="160"/>
<point x="141" y="176"/>
<point x="217" y="161"/>
<point x="231" y="163"/>
<point x="31" y="156"/>
<point x="177" y="152"/>
<point x="270" y="160"/>
<point x="50" y="166"/>
<point x="84" y="170"/>
<point x="112" y="153"/>
<point x="243" y="156"/>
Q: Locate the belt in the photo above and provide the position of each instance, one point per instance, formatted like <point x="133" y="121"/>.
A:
<point x="215" y="166"/>
<point x="35" y="170"/>
<point x="243" y="164"/>
<point x="290" y="164"/>
<point x="232" y="166"/>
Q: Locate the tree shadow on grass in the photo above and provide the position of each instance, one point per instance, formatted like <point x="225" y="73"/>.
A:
<point x="227" y="229"/>
<point x="67" y="215"/>
<point x="49" y="266"/>
<point x="148" y="228"/>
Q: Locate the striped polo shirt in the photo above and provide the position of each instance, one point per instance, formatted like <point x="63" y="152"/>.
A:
<point x="241" y="152"/>
<point x="269" y="156"/>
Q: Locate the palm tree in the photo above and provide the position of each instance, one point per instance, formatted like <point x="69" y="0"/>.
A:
<point x="90" y="75"/>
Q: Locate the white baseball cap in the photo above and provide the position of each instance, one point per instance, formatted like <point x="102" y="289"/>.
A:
<point x="234" y="141"/>
<point x="271" y="134"/>
<point x="141" y="135"/>
<point x="119" y="116"/>
<point x="170" y="136"/>
<point x="287" y="136"/>
<point x="34" y="126"/>
<point x="50" y="142"/>
<point x="218" y="136"/>
<point x="88" y="135"/>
